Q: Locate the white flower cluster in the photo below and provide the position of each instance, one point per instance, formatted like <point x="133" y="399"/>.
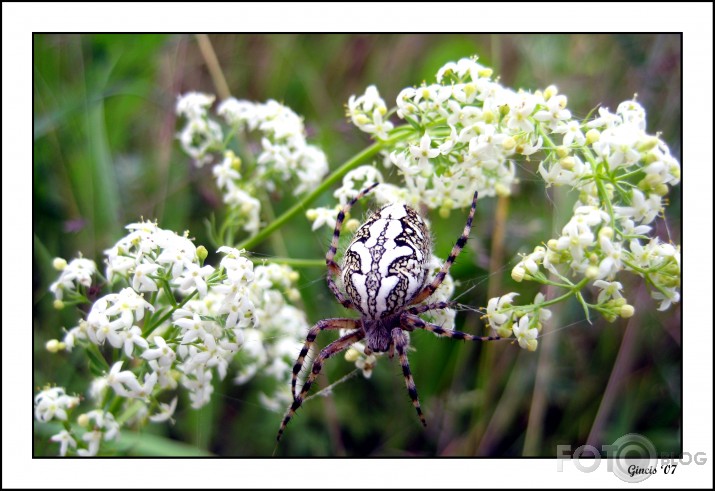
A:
<point x="507" y="321"/>
<point x="200" y="134"/>
<point x="284" y="156"/>
<point x="77" y="273"/>
<point x="236" y="312"/>
<point x="368" y="112"/>
<point x="98" y="425"/>
<point x="612" y="217"/>
<point x="468" y="127"/>
<point x="53" y="403"/>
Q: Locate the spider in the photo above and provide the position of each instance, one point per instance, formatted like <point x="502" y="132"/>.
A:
<point x="385" y="276"/>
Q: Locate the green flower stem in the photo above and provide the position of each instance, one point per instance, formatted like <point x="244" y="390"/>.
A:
<point x="573" y="290"/>
<point x="301" y="206"/>
<point x="148" y="329"/>
<point x="129" y="412"/>
<point x="289" y="261"/>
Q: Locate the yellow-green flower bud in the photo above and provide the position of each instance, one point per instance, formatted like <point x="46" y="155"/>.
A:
<point x="627" y="311"/>
<point x="518" y="274"/>
<point x="562" y="151"/>
<point x="59" y="264"/>
<point x="201" y="253"/>
<point x="509" y="143"/>
<point x="648" y="143"/>
<point x="592" y="136"/>
<point x="568" y="163"/>
<point x="351" y="355"/>
<point x="53" y="346"/>
<point x="606" y="232"/>
<point x="550" y="91"/>
<point x="293" y="295"/>
<point x="502" y="190"/>
<point x="485" y="72"/>
<point x="661" y="189"/>
<point x="352" y="225"/>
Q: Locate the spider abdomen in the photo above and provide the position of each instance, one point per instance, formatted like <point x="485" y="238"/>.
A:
<point x="385" y="265"/>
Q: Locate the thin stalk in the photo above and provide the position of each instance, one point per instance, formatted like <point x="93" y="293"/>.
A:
<point x="207" y="51"/>
<point x="290" y="261"/>
<point x="301" y="205"/>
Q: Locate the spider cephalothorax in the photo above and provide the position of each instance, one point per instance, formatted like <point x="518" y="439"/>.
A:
<point x="385" y="276"/>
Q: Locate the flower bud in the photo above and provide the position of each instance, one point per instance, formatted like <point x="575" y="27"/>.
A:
<point x="53" y="346"/>
<point x="351" y="355"/>
<point x="502" y="190"/>
<point x="592" y="136"/>
<point x="293" y="295"/>
<point x="627" y="311"/>
<point x="201" y="253"/>
<point x="509" y="143"/>
<point x="518" y="274"/>
<point x="661" y="189"/>
<point x="352" y="225"/>
<point x="568" y="163"/>
<point x="605" y="232"/>
<point x="59" y="264"/>
<point x="485" y="72"/>
<point x="562" y="151"/>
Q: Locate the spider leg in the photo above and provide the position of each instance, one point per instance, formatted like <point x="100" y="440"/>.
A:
<point x="430" y="306"/>
<point x="330" y="350"/>
<point x="430" y="289"/>
<point x="334" y="324"/>
<point x="411" y="322"/>
<point x="400" y="343"/>
<point x="333" y="267"/>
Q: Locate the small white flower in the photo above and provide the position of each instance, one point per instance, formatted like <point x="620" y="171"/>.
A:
<point x="494" y="309"/>
<point x="65" y="440"/>
<point x="526" y="335"/>
<point x="142" y="282"/>
<point x="609" y="290"/>
<point x="424" y="152"/>
<point x="322" y="216"/>
<point x="164" y="355"/>
<point x="165" y="413"/>
<point x="193" y="105"/>
<point x="53" y="403"/>
<point x="366" y="364"/>
<point x="194" y="276"/>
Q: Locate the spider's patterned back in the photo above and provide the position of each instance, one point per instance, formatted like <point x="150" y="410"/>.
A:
<point x="385" y="265"/>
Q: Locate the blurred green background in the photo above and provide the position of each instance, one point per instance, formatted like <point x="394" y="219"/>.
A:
<point x="105" y="154"/>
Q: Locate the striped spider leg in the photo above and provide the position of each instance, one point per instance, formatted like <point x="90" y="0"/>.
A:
<point x="384" y="273"/>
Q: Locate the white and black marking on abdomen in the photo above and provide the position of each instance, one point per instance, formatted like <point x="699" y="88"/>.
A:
<point x="385" y="265"/>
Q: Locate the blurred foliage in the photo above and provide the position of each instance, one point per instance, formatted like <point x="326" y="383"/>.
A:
<point x="105" y="154"/>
